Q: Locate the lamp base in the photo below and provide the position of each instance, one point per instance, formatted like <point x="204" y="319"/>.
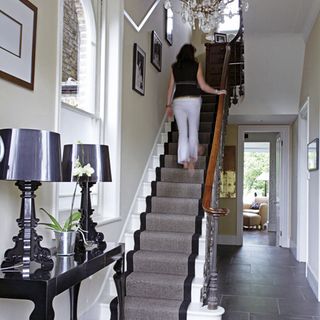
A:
<point x="27" y="243"/>
<point x="90" y="234"/>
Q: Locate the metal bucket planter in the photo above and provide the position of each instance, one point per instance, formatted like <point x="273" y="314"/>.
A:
<point x="65" y="242"/>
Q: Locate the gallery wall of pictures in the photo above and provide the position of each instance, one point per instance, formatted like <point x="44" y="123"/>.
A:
<point x="139" y="55"/>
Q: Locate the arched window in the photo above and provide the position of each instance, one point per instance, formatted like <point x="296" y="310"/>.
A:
<point x="79" y="55"/>
<point x="80" y="118"/>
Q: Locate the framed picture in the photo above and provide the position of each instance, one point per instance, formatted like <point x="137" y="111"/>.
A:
<point x="169" y="26"/>
<point x="313" y="155"/>
<point x="220" y="37"/>
<point x="139" y="69"/>
<point x="18" y="43"/>
<point x="156" y="51"/>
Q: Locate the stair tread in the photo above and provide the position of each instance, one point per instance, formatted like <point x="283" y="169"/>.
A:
<point x="143" y="308"/>
<point x="162" y="255"/>
<point x="175" y="215"/>
<point x="170" y="222"/>
<point x="178" y="184"/>
<point x="167" y="235"/>
<point x="180" y="199"/>
<point x="157" y="278"/>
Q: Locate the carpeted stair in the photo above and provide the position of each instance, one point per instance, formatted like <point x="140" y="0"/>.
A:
<point x="161" y="267"/>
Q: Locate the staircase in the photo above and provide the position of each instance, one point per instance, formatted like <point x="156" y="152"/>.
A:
<point x="165" y="267"/>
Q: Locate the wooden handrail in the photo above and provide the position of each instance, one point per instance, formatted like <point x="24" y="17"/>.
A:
<point x="207" y="195"/>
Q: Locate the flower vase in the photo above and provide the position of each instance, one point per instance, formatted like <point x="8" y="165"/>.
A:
<point x="65" y="242"/>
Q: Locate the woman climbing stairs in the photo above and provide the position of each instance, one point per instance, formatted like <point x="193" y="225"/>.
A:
<point x="161" y="268"/>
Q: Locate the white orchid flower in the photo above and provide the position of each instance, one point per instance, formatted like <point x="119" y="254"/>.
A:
<point x="79" y="170"/>
<point x="88" y="170"/>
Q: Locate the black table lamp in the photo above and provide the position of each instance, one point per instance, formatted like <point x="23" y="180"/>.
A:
<point x="98" y="157"/>
<point x="30" y="156"/>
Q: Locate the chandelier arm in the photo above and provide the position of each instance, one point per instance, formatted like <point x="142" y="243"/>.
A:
<point x="209" y="13"/>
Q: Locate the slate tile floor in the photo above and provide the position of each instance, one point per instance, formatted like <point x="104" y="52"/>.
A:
<point x="260" y="282"/>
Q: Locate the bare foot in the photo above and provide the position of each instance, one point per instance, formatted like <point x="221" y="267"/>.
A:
<point x="191" y="168"/>
<point x="186" y="165"/>
<point x="201" y="150"/>
<point x="191" y="165"/>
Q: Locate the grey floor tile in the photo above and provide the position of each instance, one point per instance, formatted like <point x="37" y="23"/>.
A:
<point x="236" y="268"/>
<point x="257" y="316"/>
<point x="250" y="278"/>
<point x="259" y="237"/>
<point x="299" y="308"/>
<point x="249" y="304"/>
<point x="275" y="287"/>
<point x="255" y="290"/>
<point x="236" y="316"/>
<point x="232" y="289"/>
<point x="308" y="294"/>
<point x="276" y="291"/>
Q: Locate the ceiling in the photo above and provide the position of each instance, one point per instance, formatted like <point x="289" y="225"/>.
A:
<point x="275" y="35"/>
<point x="262" y="119"/>
<point x="280" y="16"/>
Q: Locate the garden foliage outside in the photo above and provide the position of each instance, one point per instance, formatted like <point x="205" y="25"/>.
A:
<point x="255" y="163"/>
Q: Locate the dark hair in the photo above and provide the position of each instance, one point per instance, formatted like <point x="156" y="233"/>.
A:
<point x="186" y="54"/>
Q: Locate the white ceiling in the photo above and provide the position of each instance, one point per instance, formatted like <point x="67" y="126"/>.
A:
<point x="280" y="16"/>
<point x="275" y="35"/>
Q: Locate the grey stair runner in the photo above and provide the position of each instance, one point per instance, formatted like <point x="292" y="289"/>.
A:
<point x="160" y="269"/>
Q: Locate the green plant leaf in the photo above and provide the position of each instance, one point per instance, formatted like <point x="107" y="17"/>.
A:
<point x="55" y="224"/>
<point x="72" y="221"/>
<point x="49" y="225"/>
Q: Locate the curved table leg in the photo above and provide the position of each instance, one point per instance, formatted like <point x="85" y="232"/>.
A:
<point x="42" y="309"/>
<point x="74" y="293"/>
<point x="119" y="279"/>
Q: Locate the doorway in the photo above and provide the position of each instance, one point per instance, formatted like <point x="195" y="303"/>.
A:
<point x="259" y="166"/>
<point x="277" y="188"/>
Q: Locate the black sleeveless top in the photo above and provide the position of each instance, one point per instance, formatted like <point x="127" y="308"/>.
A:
<point x="185" y="78"/>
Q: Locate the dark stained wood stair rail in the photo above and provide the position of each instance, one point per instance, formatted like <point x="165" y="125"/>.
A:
<point x="210" y="287"/>
<point x="210" y="195"/>
<point x="215" y="150"/>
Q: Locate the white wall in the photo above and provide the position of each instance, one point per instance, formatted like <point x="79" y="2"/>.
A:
<point x="273" y="70"/>
<point x="310" y="88"/>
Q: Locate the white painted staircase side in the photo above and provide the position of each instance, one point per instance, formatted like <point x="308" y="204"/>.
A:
<point x="101" y="310"/>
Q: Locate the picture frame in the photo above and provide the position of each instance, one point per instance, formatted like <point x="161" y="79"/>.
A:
<point x="220" y="37"/>
<point x="18" y="43"/>
<point x="156" y="51"/>
<point x="313" y="155"/>
<point x="139" y="69"/>
<point x="169" y="26"/>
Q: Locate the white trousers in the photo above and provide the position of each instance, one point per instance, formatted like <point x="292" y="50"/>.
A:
<point x="187" y="114"/>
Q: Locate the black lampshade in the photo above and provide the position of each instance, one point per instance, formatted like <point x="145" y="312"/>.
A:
<point x="30" y="155"/>
<point x="95" y="154"/>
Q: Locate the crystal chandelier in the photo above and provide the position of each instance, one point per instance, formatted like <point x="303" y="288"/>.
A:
<point x="208" y="13"/>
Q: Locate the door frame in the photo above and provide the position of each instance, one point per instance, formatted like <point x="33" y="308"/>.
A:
<point x="301" y="246"/>
<point x="285" y="196"/>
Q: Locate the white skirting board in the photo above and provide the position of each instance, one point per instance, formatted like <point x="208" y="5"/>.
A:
<point x="314" y="284"/>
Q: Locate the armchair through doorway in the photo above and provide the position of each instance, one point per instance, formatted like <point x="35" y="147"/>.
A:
<point x="255" y="215"/>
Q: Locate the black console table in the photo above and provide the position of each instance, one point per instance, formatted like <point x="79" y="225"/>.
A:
<point x="41" y="286"/>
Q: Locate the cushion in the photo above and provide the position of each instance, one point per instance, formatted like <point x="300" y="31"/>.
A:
<point x="255" y="205"/>
<point x="251" y="219"/>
